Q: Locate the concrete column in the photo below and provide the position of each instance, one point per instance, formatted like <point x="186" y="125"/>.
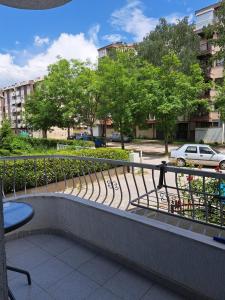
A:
<point x="3" y="275"/>
<point x="223" y="131"/>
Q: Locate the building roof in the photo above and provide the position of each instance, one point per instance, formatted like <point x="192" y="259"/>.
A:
<point x="116" y="45"/>
<point x="19" y="84"/>
<point x="212" y="6"/>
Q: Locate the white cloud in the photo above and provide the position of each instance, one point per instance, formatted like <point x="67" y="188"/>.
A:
<point x="38" y="41"/>
<point x="66" y="46"/>
<point x="113" y="38"/>
<point x="131" y="19"/>
<point x="93" y="33"/>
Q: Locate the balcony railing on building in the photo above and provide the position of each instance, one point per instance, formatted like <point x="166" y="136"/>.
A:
<point x="183" y="193"/>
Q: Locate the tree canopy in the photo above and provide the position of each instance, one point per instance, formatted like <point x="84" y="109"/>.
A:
<point x="41" y="111"/>
<point x="178" y="38"/>
<point x="121" y="92"/>
<point x="172" y="93"/>
<point x="216" y="32"/>
<point x="124" y="87"/>
<point x="54" y="100"/>
<point x="88" y="95"/>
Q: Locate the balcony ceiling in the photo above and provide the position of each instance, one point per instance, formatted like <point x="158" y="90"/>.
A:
<point x="34" y="4"/>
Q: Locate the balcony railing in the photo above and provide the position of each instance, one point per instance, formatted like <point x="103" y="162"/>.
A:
<point x="182" y="192"/>
<point x="205" y="48"/>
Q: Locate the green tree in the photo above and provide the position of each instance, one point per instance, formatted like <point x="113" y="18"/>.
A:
<point x="120" y="82"/>
<point x="178" y="38"/>
<point x="220" y="101"/>
<point x="172" y="93"/>
<point x="216" y="32"/>
<point x="54" y="100"/>
<point x="41" y="111"/>
<point x="88" y="89"/>
<point x="62" y="90"/>
<point x="6" y="135"/>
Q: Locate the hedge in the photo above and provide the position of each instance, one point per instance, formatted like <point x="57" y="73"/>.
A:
<point x="42" y="171"/>
<point x="52" y="143"/>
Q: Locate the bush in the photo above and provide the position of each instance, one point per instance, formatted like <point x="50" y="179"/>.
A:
<point x="4" y="152"/>
<point x="52" y="143"/>
<point x="20" y="144"/>
<point x="38" y="172"/>
<point x="6" y="135"/>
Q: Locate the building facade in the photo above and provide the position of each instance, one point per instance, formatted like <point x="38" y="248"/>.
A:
<point x="12" y="104"/>
<point x="213" y="70"/>
<point x="108" y="49"/>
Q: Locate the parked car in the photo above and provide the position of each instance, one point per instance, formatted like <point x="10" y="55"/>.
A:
<point x="80" y="136"/>
<point x="116" y="137"/>
<point x="99" y="141"/>
<point x="198" y="154"/>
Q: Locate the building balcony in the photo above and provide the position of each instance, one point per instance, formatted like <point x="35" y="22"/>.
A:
<point x="205" y="48"/>
<point x="216" y="72"/>
<point x="106" y="229"/>
<point x="209" y="117"/>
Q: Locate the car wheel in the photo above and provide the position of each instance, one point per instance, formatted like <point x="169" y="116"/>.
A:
<point x="222" y="165"/>
<point x="181" y="162"/>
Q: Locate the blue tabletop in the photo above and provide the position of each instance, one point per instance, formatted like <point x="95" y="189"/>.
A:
<point x="16" y="214"/>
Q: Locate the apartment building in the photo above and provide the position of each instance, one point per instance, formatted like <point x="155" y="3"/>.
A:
<point x="12" y="103"/>
<point x="106" y="50"/>
<point x="208" y="127"/>
<point x="12" y="107"/>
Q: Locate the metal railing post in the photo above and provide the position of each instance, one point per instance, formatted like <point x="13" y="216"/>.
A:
<point x="161" y="175"/>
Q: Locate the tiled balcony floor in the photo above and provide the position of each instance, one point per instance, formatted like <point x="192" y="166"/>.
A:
<point x="64" y="270"/>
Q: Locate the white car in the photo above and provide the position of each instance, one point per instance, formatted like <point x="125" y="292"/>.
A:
<point x="198" y="154"/>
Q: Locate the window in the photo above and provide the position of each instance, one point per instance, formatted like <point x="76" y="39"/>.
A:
<point x="205" y="150"/>
<point x="191" y="149"/>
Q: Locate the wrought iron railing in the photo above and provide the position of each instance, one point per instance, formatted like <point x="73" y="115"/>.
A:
<point x="186" y="193"/>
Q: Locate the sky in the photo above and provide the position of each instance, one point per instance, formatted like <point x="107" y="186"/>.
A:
<point x="31" y="40"/>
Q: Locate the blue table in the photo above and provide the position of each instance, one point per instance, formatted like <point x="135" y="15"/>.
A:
<point x="16" y="214"/>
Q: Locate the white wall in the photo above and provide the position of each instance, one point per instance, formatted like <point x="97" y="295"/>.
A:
<point x="209" y="135"/>
<point x="178" y="258"/>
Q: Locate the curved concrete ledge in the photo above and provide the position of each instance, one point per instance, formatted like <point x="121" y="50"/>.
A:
<point x="179" y="259"/>
<point x="34" y="4"/>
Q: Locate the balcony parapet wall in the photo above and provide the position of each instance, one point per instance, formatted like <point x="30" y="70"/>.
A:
<point x="182" y="260"/>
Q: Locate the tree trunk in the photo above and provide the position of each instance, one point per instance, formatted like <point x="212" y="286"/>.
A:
<point x="122" y="140"/>
<point x="3" y="274"/>
<point x="91" y="130"/>
<point x="44" y="133"/>
<point x="68" y="132"/>
<point x="134" y="131"/>
<point x="166" y="144"/>
<point x="104" y="129"/>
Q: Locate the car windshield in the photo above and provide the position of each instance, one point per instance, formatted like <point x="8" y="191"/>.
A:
<point x="215" y="150"/>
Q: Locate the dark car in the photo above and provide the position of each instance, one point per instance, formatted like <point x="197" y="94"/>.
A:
<point x="116" y="137"/>
<point x="100" y="141"/>
<point x="81" y="136"/>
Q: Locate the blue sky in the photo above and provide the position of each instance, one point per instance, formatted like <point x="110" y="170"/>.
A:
<point x="30" y="40"/>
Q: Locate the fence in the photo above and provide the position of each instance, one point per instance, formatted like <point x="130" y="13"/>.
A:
<point x="185" y="193"/>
